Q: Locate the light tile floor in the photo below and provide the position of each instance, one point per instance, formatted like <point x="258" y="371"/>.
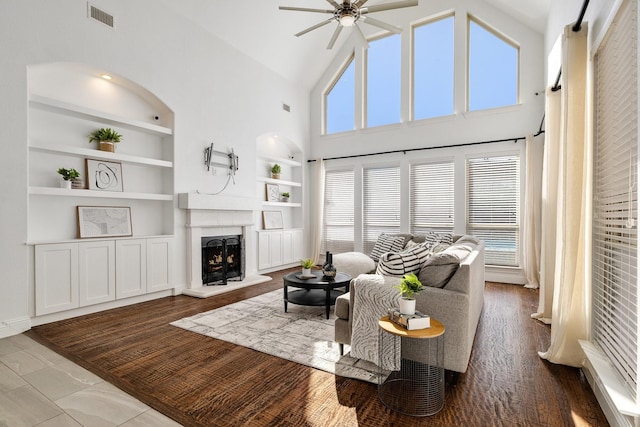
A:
<point x="38" y="387"/>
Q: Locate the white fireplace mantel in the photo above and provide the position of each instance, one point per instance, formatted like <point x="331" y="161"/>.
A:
<point x="209" y="215"/>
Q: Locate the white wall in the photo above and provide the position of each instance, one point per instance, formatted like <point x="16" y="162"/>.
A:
<point x="217" y="94"/>
<point x="461" y="127"/>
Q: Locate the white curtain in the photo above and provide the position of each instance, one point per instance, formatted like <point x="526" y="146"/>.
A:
<point x="531" y="231"/>
<point x="319" y="216"/>
<point x="569" y="313"/>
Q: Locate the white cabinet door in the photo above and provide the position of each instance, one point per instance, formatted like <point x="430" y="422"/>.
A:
<point x="297" y="245"/>
<point x="275" y="247"/>
<point x="288" y="254"/>
<point x="96" y="272"/>
<point x="131" y="268"/>
<point x="159" y="264"/>
<point x="56" y="277"/>
<point x="264" y="251"/>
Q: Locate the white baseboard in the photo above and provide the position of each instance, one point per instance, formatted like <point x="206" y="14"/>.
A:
<point x="14" y="326"/>
<point x="504" y="275"/>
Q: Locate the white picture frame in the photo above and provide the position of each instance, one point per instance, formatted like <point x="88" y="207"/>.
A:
<point x="104" y="176"/>
<point x="104" y="221"/>
<point x="273" y="192"/>
<point x="272" y="220"/>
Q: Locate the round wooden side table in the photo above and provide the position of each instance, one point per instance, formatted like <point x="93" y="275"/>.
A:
<point x="414" y="362"/>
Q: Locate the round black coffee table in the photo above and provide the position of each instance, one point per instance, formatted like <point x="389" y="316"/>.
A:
<point x="315" y="291"/>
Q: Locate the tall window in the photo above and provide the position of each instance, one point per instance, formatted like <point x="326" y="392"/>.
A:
<point x="433" y="69"/>
<point x="383" y="81"/>
<point x="615" y="198"/>
<point x="338" y="211"/>
<point x="340" y="101"/>
<point x="381" y="204"/>
<point x="493" y="207"/>
<point x="431" y="197"/>
<point x="493" y="69"/>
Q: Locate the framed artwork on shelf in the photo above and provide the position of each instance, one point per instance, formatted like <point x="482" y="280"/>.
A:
<point x="273" y="192"/>
<point x="104" y="176"/>
<point x="104" y="221"/>
<point x="272" y="220"/>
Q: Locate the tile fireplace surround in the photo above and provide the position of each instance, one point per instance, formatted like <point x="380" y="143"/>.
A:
<point x="216" y="216"/>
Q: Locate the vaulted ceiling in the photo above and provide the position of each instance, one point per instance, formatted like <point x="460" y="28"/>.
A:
<point x="265" y="33"/>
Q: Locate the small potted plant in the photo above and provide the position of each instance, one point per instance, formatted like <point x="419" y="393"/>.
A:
<point x="275" y="171"/>
<point x="68" y="175"/>
<point x="408" y="286"/>
<point x="106" y="138"/>
<point x="306" y="266"/>
<point x="285" y="196"/>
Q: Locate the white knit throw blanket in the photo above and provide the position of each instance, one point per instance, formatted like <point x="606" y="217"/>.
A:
<point x="372" y="300"/>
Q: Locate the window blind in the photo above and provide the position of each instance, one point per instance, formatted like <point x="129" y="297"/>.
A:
<point x="493" y="207"/>
<point x="431" y="197"/>
<point x="615" y="198"/>
<point x="381" y="203"/>
<point x="338" y="211"/>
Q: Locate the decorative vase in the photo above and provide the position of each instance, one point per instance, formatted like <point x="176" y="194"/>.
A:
<point x="328" y="270"/>
<point x="306" y="272"/>
<point x="65" y="184"/>
<point x="106" y="146"/>
<point x="285" y="199"/>
<point x="275" y="175"/>
<point x="77" y="183"/>
<point x="407" y="306"/>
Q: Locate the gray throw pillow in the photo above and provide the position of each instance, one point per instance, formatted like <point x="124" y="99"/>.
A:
<point x="440" y="267"/>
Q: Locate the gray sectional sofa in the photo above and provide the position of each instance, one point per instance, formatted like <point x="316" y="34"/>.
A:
<point x="455" y="298"/>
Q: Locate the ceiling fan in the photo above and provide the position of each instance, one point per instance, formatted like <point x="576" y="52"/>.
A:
<point x="348" y="13"/>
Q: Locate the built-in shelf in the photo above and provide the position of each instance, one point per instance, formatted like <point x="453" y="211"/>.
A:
<point x="100" y="155"/>
<point x="280" y="160"/>
<point x="279" y="181"/>
<point x="282" y="204"/>
<point x="65" y="108"/>
<point x="91" y="239"/>
<point x="53" y="191"/>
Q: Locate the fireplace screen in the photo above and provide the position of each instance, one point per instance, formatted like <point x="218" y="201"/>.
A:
<point x="223" y="259"/>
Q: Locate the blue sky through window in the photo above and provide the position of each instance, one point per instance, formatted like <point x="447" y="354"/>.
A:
<point x="341" y="102"/>
<point x="493" y="70"/>
<point x="433" y="69"/>
<point x="383" y="81"/>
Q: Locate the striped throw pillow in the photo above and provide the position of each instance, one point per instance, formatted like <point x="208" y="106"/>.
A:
<point x="399" y="264"/>
<point x="386" y="243"/>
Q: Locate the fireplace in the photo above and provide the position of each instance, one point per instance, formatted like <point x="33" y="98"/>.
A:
<point x="223" y="259"/>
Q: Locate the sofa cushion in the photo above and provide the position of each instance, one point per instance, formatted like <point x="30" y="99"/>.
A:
<point x="439" y="268"/>
<point x="431" y="238"/>
<point x="342" y="306"/>
<point x="400" y="263"/>
<point x="353" y="263"/>
<point x="387" y="243"/>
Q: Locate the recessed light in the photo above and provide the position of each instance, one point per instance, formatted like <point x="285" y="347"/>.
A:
<point x="106" y="76"/>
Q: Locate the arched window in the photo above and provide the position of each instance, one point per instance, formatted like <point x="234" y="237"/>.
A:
<point x="340" y="101"/>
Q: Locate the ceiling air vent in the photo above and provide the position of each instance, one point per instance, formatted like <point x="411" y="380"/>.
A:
<point x="100" y="15"/>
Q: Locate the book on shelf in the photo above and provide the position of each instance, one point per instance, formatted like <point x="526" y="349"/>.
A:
<point x="410" y="321"/>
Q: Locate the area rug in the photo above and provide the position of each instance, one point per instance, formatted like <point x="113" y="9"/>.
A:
<point x="303" y="335"/>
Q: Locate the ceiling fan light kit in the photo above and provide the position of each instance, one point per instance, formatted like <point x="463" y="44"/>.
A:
<point x="348" y="13"/>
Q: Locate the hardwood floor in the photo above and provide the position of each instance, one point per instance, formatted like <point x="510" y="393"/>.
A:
<point x="201" y="381"/>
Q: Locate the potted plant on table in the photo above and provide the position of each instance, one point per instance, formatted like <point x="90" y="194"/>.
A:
<point x="106" y="138"/>
<point x="275" y="171"/>
<point x="306" y="266"/>
<point x="409" y="286"/>
<point x="285" y="196"/>
<point x="68" y="175"/>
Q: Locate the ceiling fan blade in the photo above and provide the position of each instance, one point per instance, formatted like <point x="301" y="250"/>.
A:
<point x="305" y="9"/>
<point x="333" y="3"/>
<point x="334" y="37"/>
<point x="314" y="27"/>
<point x="389" y="6"/>
<point x="365" y="43"/>
<point x="381" y="24"/>
<point x="359" y="3"/>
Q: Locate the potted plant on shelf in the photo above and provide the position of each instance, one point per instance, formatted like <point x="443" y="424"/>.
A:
<point x="275" y="171"/>
<point x="306" y="266"/>
<point x="408" y="286"/>
<point x="68" y="175"/>
<point x="106" y="138"/>
<point x="285" y="196"/>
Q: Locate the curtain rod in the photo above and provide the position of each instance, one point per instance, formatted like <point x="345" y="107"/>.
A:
<point x="576" y="27"/>
<point x="516" y="139"/>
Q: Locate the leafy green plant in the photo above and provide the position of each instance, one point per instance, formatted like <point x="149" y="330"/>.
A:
<point x="275" y="168"/>
<point x="409" y="285"/>
<point x="285" y="194"/>
<point x="68" y="174"/>
<point x="105" y="134"/>
<point x="307" y="263"/>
